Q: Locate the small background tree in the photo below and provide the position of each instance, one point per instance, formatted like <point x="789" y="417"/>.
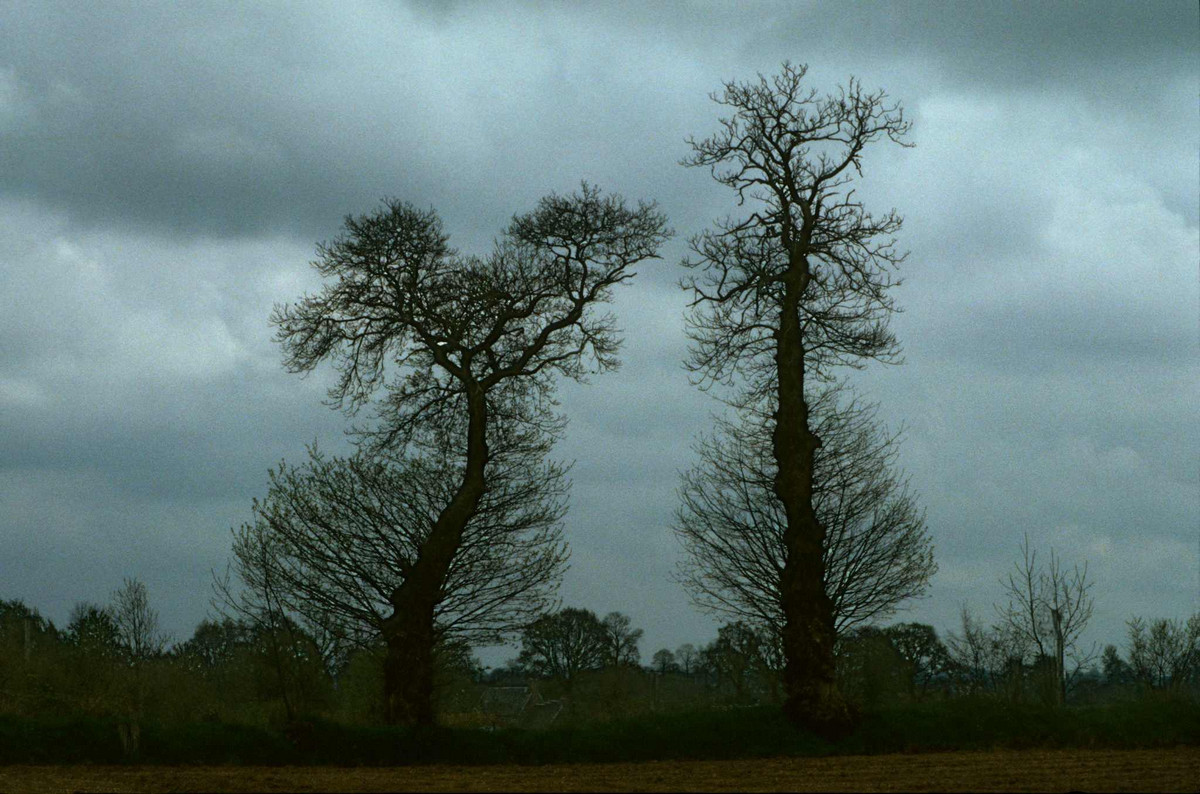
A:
<point x="1164" y="654"/>
<point x="564" y="644"/>
<point x="141" y="642"/>
<point x="622" y="641"/>
<point x="1047" y="610"/>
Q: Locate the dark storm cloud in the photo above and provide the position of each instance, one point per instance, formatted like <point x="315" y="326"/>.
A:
<point x="202" y="119"/>
<point x="165" y="171"/>
<point x="186" y="118"/>
<point x="185" y="443"/>
<point x="1014" y="46"/>
<point x="199" y="120"/>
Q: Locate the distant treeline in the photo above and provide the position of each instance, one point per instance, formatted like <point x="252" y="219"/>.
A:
<point x="110" y="663"/>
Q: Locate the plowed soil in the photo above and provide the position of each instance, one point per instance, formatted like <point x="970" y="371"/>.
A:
<point x="1175" y="769"/>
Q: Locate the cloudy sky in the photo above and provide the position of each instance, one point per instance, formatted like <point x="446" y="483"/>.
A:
<point x="166" y="169"/>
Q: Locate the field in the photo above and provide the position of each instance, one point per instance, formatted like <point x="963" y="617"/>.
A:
<point x="1176" y="769"/>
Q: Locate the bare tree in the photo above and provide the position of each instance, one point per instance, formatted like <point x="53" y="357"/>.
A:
<point x="663" y="662"/>
<point x="786" y="294"/>
<point x="467" y="350"/>
<point x="1167" y="653"/>
<point x="344" y="532"/>
<point x="1049" y="608"/>
<point x="877" y="551"/>
<point x="743" y="655"/>
<point x="987" y="658"/>
<point x="137" y="623"/>
<point x="927" y="656"/>
<point x="688" y="658"/>
<point x="260" y="604"/>
<point x="335" y="537"/>
<point x="564" y="644"/>
<point x="622" y="640"/>
<point x="969" y="651"/>
<point x="140" y="639"/>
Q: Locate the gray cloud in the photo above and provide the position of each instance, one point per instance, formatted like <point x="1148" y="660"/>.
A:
<point x="165" y="171"/>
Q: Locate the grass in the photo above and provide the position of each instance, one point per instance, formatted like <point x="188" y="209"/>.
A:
<point x="756" y="732"/>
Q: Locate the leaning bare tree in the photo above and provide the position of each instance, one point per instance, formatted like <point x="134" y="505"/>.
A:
<point x="467" y="351"/>
<point x="786" y="294"/>
<point x="877" y="552"/>
<point x="1048" y="608"/>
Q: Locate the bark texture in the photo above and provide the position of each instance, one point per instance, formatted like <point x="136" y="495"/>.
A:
<point x="410" y="632"/>
<point x="810" y="672"/>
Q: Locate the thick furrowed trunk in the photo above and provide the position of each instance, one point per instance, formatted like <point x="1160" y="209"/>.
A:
<point x="408" y="669"/>
<point x="809" y="676"/>
<point x="409" y="631"/>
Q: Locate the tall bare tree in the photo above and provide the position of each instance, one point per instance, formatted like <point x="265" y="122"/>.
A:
<point x="467" y="351"/>
<point x="785" y="294"/>
<point x="1048" y="608"/>
<point x="877" y="551"/>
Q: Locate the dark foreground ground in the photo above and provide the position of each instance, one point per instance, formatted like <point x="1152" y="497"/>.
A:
<point x="1170" y="769"/>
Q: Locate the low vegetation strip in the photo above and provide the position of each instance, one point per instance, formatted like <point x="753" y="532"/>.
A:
<point x="758" y="732"/>
<point x="1167" y="770"/>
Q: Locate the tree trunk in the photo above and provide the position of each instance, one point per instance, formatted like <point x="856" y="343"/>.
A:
<point x="408" y="668"/>
<point x="1060" y="661"/>
<point x="813" y="699"/>
<point x="409" y="632"/>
